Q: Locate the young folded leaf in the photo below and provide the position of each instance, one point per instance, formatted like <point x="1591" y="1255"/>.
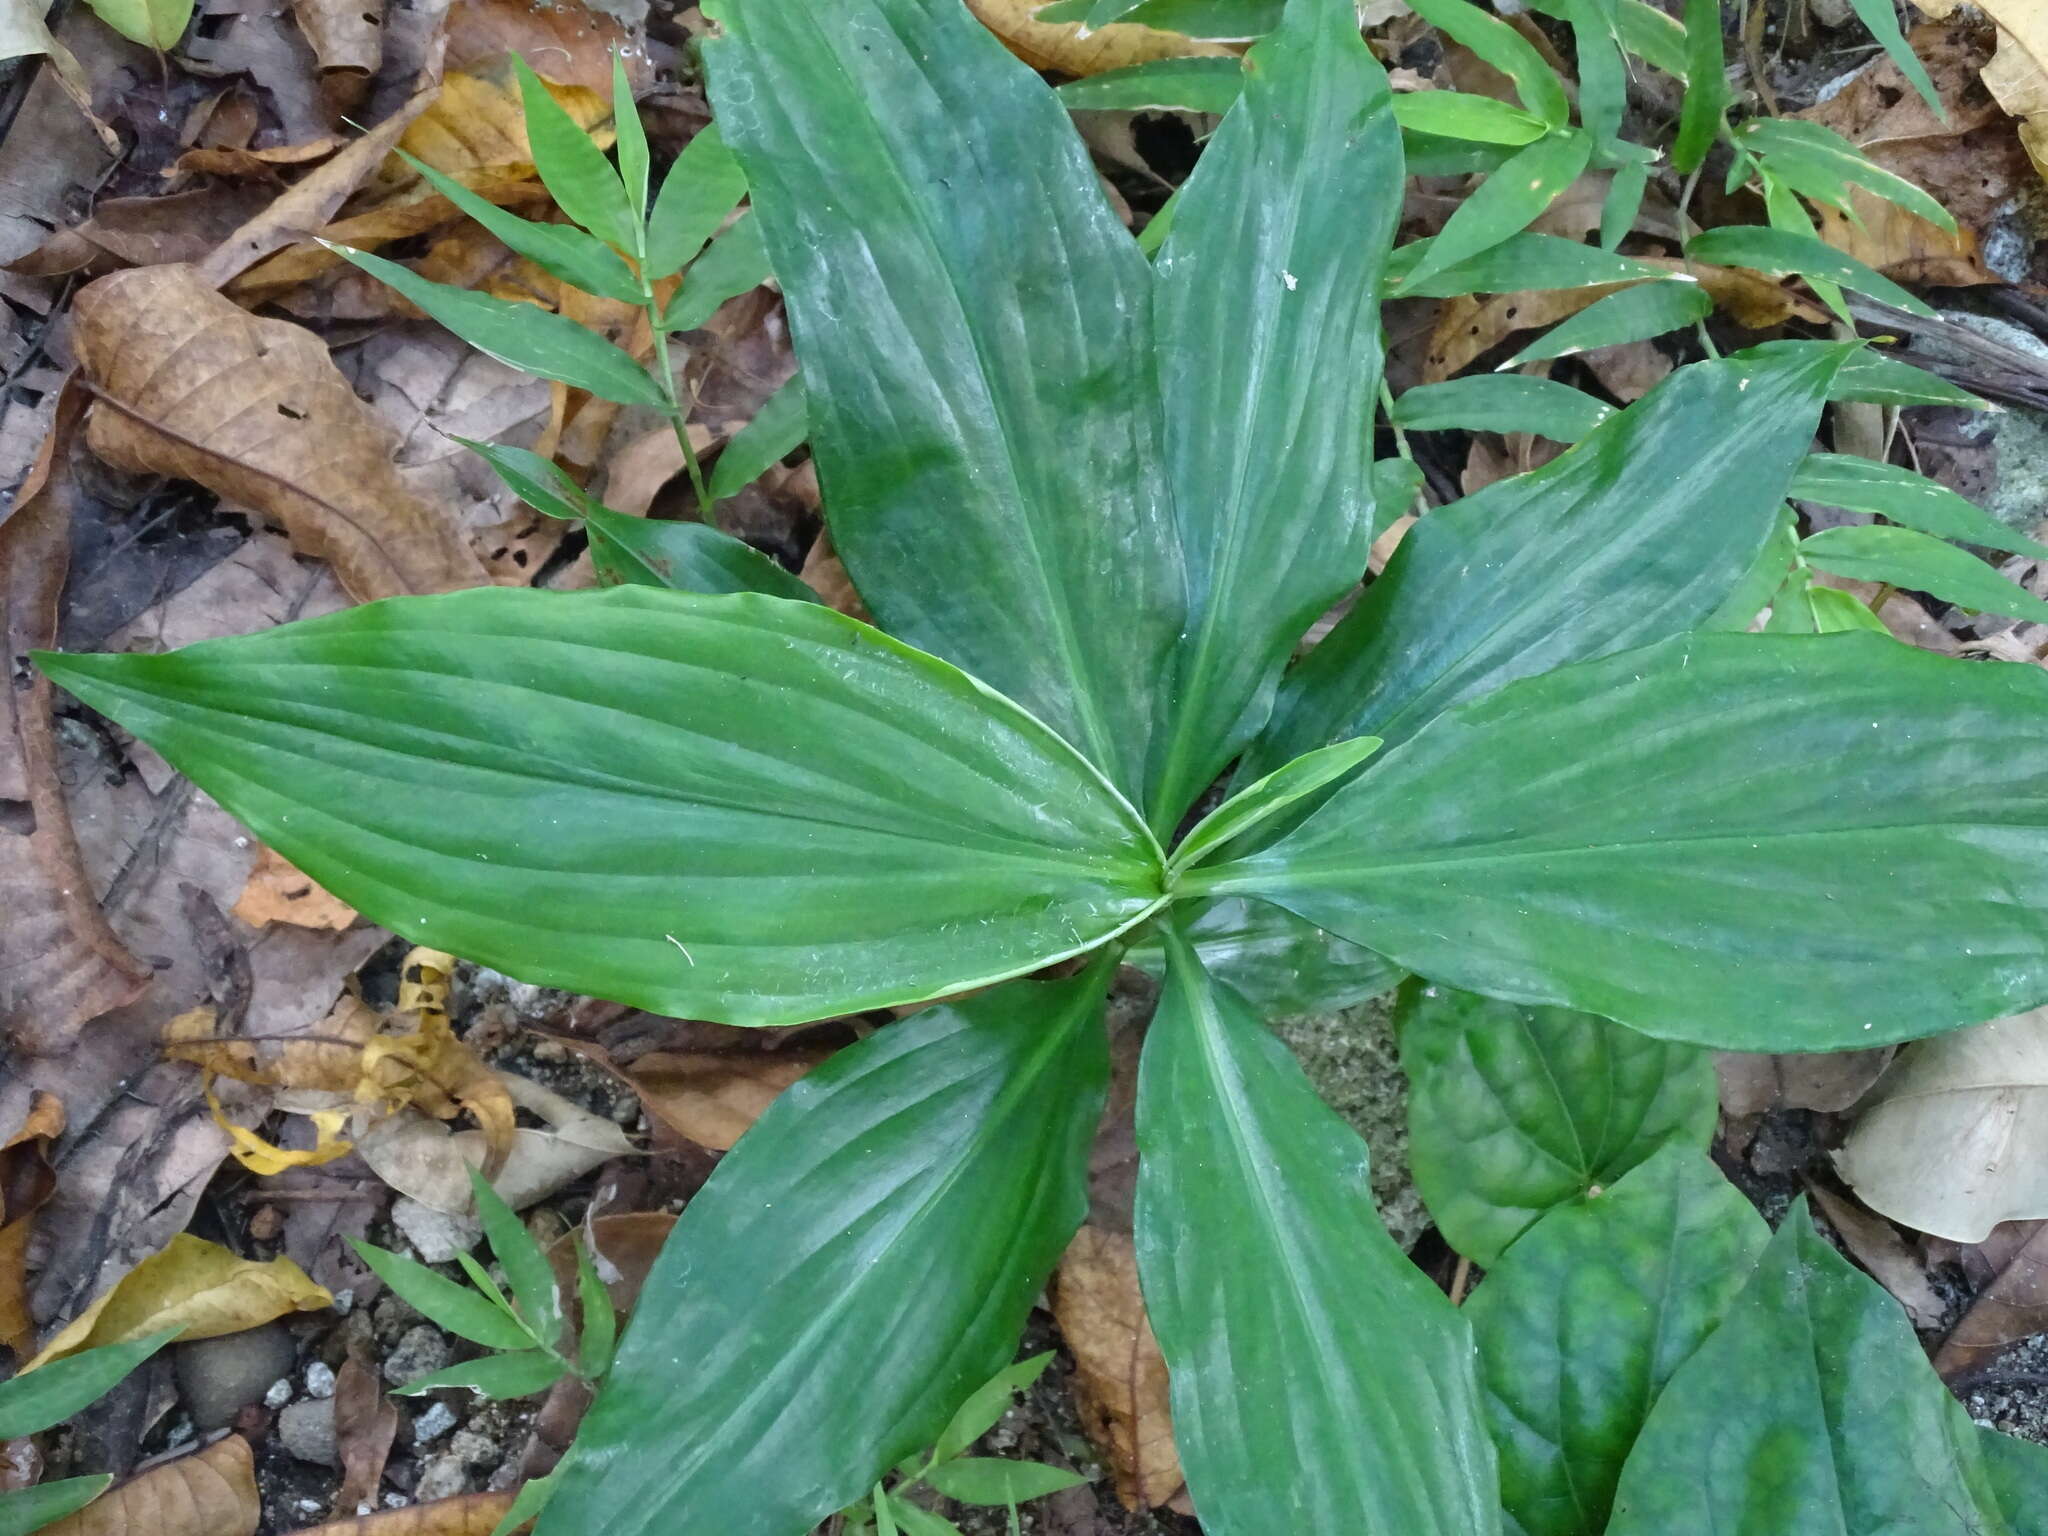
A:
<point x="1320" y="1381"/>
<point x="596" y="791"/>
<point x="1275" y="792"/>
<point x="857" y="1265"/>
<point x="1700" y="840"/>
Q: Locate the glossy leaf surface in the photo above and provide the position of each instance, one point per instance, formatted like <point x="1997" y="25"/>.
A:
<point x="1507" y="201"/>
<point x="1586" y="1318"/>
<point x="1903" y="558"/>
<point x="1634" y="314"/>
<point x="1886" y="490"/>
<point x="1269" y="796"/>
<point x="1638" y="532"/>
<point x="958" y="357"/>
<point x="1176" y="85"/>
<point x="1514" y="1110"/>
<point x="687" y="557"/>
<point x="857" y="1265"/>
<point x="1502" y="402"/>
<point x="1269" y="335"/>
<point x="1521" y="261"/>
<point x="1811" y="1408"/>
<point x="1281" y="964"/>
<point x="1701" y="839"/>
<point x="715" y="807"/>
<point x="1778" y="250"/>
<point x="1320" y="1381"/>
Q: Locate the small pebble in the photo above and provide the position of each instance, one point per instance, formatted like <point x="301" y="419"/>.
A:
<point x="279" y="1394"/>
<point x="434" y="1422"/>
<point x="319" y="1379"/>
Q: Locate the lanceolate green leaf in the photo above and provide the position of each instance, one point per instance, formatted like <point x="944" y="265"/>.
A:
<point x="1320" y="1382"/>
<point x="1502" y="402"/>
<point x="1796" y="140"/>
<point x="1814" y="1400"/>
<point x="521" y="1374"/>
<point x="958" y="357"/>
<point x="457" y="1308"/>
<point x="1881" y="380"/>
<point x="1506" y="50"/>
<point x="701" y="188"/>
<point x="1634" y="314"/>
<point x="597" y="791"/>
<point x="1883" y="22"/>
<point x="30" y="1509"/>
<point x="1904" y="558"/>
<point x="1506" y="201"/>
<point x="577" y="175"/>
<point x="1588" y="1316"/>
<point x="687" y="557"/>
<point x="50" y="1394"/>
<point x="1637" y="533"/>
<point x="857" y="1266"/>
<point x="778" y="426"/>
<point x="1778" y="250"/>
<point x="1861" y="485"/>
<point x="1513" y="1110"/>
<point x="575" y="257"/>
<point x="1702" y="839"/>
<point x="1456" y="115"/>
<point x="1521" y="261"/>
<point x="1269" y="336"/>
<point x="1275" y="792"/>
<point x="732" y="264"/>
<point x="1281" y="964"/>
<point x="1182" y="85"/>
<point x="1706" y="86"/>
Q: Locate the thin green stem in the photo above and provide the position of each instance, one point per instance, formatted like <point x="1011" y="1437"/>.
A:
<point x="665" y="381"/>
<point x="1400" y="437"/>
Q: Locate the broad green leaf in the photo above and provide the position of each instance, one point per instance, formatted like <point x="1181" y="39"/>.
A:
<point x="702" y="187"/>
<point x="1506" y="202"/>
<point x="1502" y="402"/>
<point x="30" y="1509"/>
<point x="571" y="166"/>
<point x="1701" y="839"/>
<point x="581" y="260"/>
<point x="1748" y="597"/>
<point x="1270" y="350"/>
<point x="455" y="1307"/>
<point x="777" y="428"/>
<point x="1233" y="21"/>
<point x="1883" y="23"/>
<point x="1793" y="140"/>
<point x="958" y="357"/>
<point x="734" y="263"/>
<point x="534" y="1292"/>
<point x="155" y="24"/>
<point x="1653" y="36"/>
<point x="1904" y="558"/>
<point x="1706" y="86"/>
<point x="1634" y="314"/>
<point x="36" y="1400"/>
<point x="1588" y="1316"/>
<point x="688" y="557"/>
<point x="1283" y="965"/>
<point x="596" y="791"/>
<point x="532" y="1497"/>
<point x="1785" y="212"/>
<point x="1881" y="380"/>
<point x="519" y="335"/>
<point x="600" y="1321"/>
<point x="1624" y="201"/>
<point x="991" y="1480"/>
<point x="631" y="137"/>
<point x="1396" y="482"/>
<point x="1885" y="490"/>
<point x="1518" y="262"/>
<point x="1637" y="533"/>
<point x="493" y="1376"/>
<point x="1279" y="789"/>
<point x="1178" y="85"/>
<point x="1506" y="50"/>
<point x="1320" y="1381"/>
<point x="1811" y="1408"/>
<point x="1515" y="1110"/>
<point x="1778" y="250"/>
<point x="1456" y="115"/>
<point x="989" y="1402"/>
<point x="857" y="1265"/>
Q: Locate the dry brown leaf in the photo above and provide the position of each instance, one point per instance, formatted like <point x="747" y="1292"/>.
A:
<point x="568" y="44"/>
<point x="347" y="37"/>
<point x="143" y="232"/>
<point x="189" y="385"/>
<point x="1120" y="1386"/>
<point x="279" y="892"/>
<point x="1830" y="1081"/>
<point x="2017" y="75"/>
<point x="1877" y="1246"/>
<point x="623" y="1249"/>
<point x="2013" y="1306"/>
<point x="60" y="964"/>
<point x="209" y="1493"/>
<point x="365" y="1424"/>
<point x="238" y="161"/>
<point x="711" y="1097"/>
<point x="197" y="1287"/>
<point x="1072" y="49"/>
<point x="467" y="1514"/>
<point x="477" y="125"/>
<point x="26" y="1183"/>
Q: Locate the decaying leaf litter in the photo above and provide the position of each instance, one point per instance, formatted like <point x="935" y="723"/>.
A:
<point x="217" y="1075"/>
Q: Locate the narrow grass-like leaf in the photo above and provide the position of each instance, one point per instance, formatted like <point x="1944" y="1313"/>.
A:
<point x="1795" y="140"/>
<point x="1320" y="1382"/>
<point x="1885" y="490"/>
<point x="455" y="1307"/>
<point x="1905" y="558"/>
<point x="595" y="791"/>
<point x="1457" y="115"/>
<point x="520" y="335"/>
<point x="1229" y="21"/>
<point x="1507" y="201"/>
<point x="1880" y="380"/>
<point x="1701" y="839"/>
<point x="777" y="428"/>
<point x="1513" y="1111"/>
<point x="35" y="1400"/>
<point x="1603" y="78"/>
<point x="571" y="166"/>
<point x="1634" y="314"/>
<point x="1747" y="598"/>
<point x="1883" y="22"/>
<point x="1506" y="50"/>
<point x="857" y="1265"/>
<point x="1176" y="85"/>
<point x="955" y="356"/>
<point x="685" y="557"/>
<point x="989" y="1402"/>
<point x="1275" y="792"/>
<point x="703" y="186"/>
<point x="990" y="1480"/>
<point x="631" y="139"/>
<point x="1501" y="402"/>
<point x="534" y="1292"/>
<point x="1624" y="201"/>
<point x="1706" y="86"/>
<point x="1518" y="262"/>
<point x="600" y="1331"/>
<point x="1778" y="250"/>
<point x="1653" y="36"/>
<point x="531" y="1499"/>
<point x="915" y="1519"/>
<point x="493" y="1376"/>
<point x="25" y="1510"/>
<point x="732" y="264"/>
<point x="1586" y="1318"/>
<point x="582" y="260"/>
<point x="1270" y="354"/>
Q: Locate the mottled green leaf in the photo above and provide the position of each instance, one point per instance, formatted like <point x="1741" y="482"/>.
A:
<point x="1904" y="558"/>
<point x="1796" y="142"/>
<point x="1501" y="402"/>
<point x="1881" y="380"/>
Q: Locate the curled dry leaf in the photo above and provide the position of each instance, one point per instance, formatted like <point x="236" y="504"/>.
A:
<point x="26" y="1183"/>
<point x="197" y="1287"/>
<point x="1875" y="1244"/>
<point x="279" y="892"/>
<point x="1120" y="1384"/>
<point x="712" y="1097"/>
<point x="347" y="37"/>
<point x="191" y="386"/>
<point x="468" y="1514"/>
<point x="1072" y="49"/>
<point x="365" y="1424"/>
<point x="622" y="1250"/>
<point x="2012" y="1307"/>
<point x="238" y="162"/>
<point x="143" y="232"/>
<point x="209" y="1493"/>
<point x="1955" y="1139"/>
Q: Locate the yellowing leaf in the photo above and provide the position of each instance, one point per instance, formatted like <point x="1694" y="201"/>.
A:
<point x="209" y="1493"/>
<point x="264" y="1158"/>
<point x="1072" y="49"/>
<point x="197" y="1287"/>
<point x="155" y="24"/>
<point x="279" y="892"/>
